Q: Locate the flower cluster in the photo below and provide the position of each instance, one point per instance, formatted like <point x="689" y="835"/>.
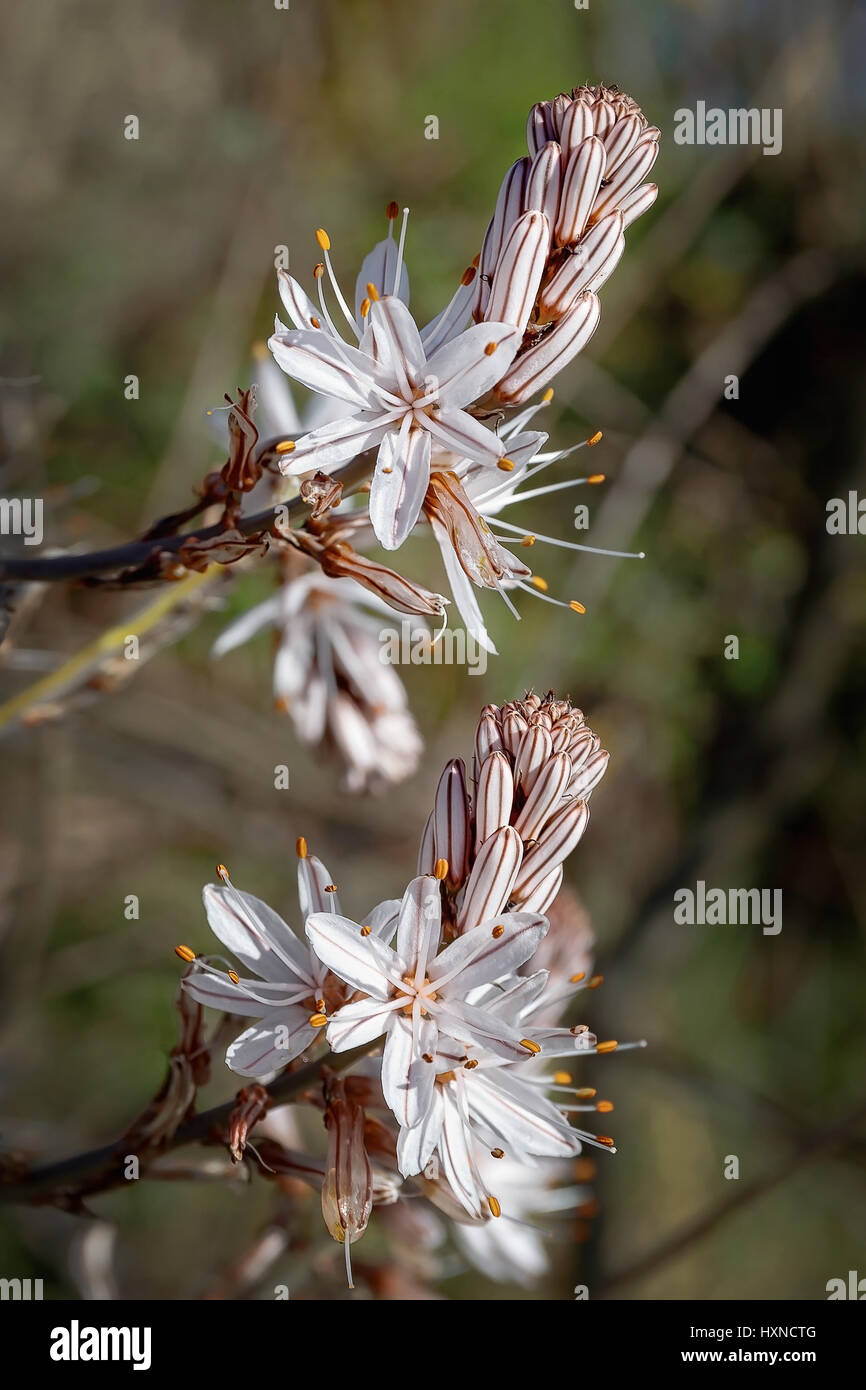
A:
<point x="440" y="410"/>
<point x="442" y="983"/>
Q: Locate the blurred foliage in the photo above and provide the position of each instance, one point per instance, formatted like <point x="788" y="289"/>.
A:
<point x="155" y="258"/>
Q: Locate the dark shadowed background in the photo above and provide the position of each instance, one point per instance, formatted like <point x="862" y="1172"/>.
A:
<point x="155" y="258"/>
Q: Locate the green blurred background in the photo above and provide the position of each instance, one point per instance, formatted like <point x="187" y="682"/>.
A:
<point x="155" y="258"/>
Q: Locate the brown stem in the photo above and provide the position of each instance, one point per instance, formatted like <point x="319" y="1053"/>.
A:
<point x="98" y="1170"/>
<point x="134" y="554"/>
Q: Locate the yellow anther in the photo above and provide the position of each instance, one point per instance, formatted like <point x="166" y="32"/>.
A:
<point x="604" y="1107"/>
<point x="498" y="931"/>
<point x="222" y="872"/>
<point x="323" y="239"/>
<point x="286" y="446"/>
<point x="365" y="308"/>
<point x="490" y="348"/>
<point x="506" y="464"/>
<point x="319" y="270"/>
<point x="317" y="323"/>
<point x="605" y="1139"/>
<point x="301" y="847"/>
<point x="528" y="540"/>
<point x="576" y="606"/>
<point x="594" y="439"/>
<point x="427" y="1056"/>
<point x="317" y="1020"/>
<point x="185" y="953"/>
<point x="562" y="1078"/>
<point x="586" y="1092"/>
<point x="595" y="982"/>
<point x="548" y="395"/>
<point x="497" y="1153"/>
<point x="539" y="583"/>
<point x="530" y="1046"/>
<point x="234" y="977"/>
<point x="365" y="931"/>
<point x="576" y="979"/>
<point x="470" y="1065"/>
<point x="330" y="887"/>
<point x="495" y="1208"/>
<point x="440" y="869"/>
<point x="372" y="291"/>
<point x="468" y="276"/>
<point x="610" y="1046"/>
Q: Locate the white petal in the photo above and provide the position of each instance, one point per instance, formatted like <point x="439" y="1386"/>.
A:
<point x="271" y="1044"/>
<point x="455" y="1150"/>
<point x="397" y="341"/>
<point x="217" y="991"/>
<point x="463" y="371"/>
<point x="378" y="268"/>
<point x="407" y="1080"/>
<point x="362" y="961"/>
<point x="481" y="957"/>
<point x="332" y="368"/>
<point x="399" y="485"/>
<point x="335" y="443"/>
<point x="419" y="925"/>
<point x="256" y="934"/>
<point x="358" y="1023"/>
<point x="246" y="626"/>
<point x="298" y="305"/>
<point x="415" y="1146"/>
<point x="464" y="435"/>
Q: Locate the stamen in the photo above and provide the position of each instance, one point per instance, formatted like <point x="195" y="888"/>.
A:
<point x="576" y="979"/>
<point x="330" y="887"/>
<point x="595" y="982"/>
<point x="567" y="545"/>
<point x="440" y="870"/>
<point x="470" y="1065"/>
<point x="223" y="872"/>
<point x="365" y="931"/>
<point x="392" y="212"/>
<point x="604" y="1107"/>
<point x="507" y="465"/>
<point x="539" y="583"/>
<point x="498" y="931"/>
<point x="595" y="439"/>
<point x="495" y="1208"/>
<point x="365" y="308"/>
<point x="530" y="1046"/>
<point x="301" y="847"/>
<point x="597" y="478"/>
<point x="234" y="977"/>
<point x="586" y="1092"/>
<point x="426" y="1056"/>
<point x="610" y="1046"/>
<point x="575" y="606"/>
<point x="562" y="1078"/>
<point x="497" y="1153"/>
<point x="317" y="1020"/>
<point x="398" y="268"/>
<point x="372" y="291"/>
<point x="528" y="541"/>
<point x="323" y="239"/>
<point x="286" y="446"/>
<point x="185" y="953"/>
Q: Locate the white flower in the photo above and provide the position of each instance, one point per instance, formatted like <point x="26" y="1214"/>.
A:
<point x="415" y="997"/>
<point x="294" y="987"/>
<point x="401" y="392"/>
<point x="330" y="678"/>
<point x="406" y="403"/>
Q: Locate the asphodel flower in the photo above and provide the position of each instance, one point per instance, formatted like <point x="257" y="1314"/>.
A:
<point x="330" y="679"/>
<point x="401" y="396"/>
